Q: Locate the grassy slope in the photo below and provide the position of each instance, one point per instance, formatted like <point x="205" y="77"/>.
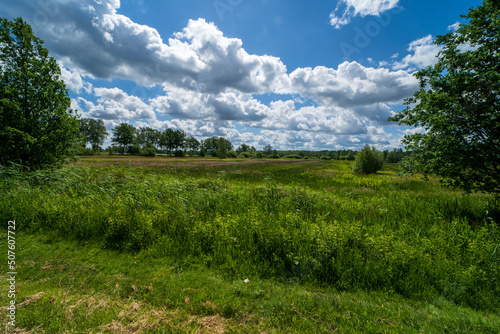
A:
<point x="323" y="250"/>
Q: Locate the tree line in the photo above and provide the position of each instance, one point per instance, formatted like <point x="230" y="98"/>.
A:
<point x="147" y="141"/>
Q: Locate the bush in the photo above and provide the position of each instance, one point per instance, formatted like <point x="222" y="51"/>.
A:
<point x="179" y="153"/>
<point x="110" y="150"/>
<point x="275" y="155"/>
<point x="202" y="153"/>
<point x="245" y="155"/>
<point x="325" y="157"/>
<point x="85" y="151"/>
<point x="231" y="154"/>
<point x="148" y="152"/>
<point x="293" y="156"/>
<point x="368" y="161"/>
<point x="259" y="155"/>
<point x="134" y="149"/>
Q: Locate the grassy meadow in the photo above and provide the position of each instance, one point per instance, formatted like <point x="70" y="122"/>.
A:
<point x="119" y="244"/>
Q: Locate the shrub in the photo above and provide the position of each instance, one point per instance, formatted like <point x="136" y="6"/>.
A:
<point x="148" y="152"/>
<point x="325" y="157"/>
<point x="293" y="156"/>
<point x="275" y="155"/>
<point x="134" y="149"/>
<point x="368" y="161"/>
<point x="245" y="155"/>
<point x="179" y="153"/>
<point x="85" y="151"/>
<point x="231" y="154"/>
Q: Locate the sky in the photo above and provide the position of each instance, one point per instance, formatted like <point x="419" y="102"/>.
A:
<point x="293" y="74"/>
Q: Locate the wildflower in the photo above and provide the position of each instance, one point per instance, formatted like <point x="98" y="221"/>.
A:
<point x="246" y="280"/>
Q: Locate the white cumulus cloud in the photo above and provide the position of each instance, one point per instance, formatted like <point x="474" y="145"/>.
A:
<point x="353" y="8"/>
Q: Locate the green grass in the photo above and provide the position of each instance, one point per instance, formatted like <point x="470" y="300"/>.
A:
<point x="119" y="242"/>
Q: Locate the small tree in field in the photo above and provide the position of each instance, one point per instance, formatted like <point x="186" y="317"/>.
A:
<point x="368" y="161"/>
<point x="37" y="128"/>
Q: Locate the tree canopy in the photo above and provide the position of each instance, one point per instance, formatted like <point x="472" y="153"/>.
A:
<point x="458" y="106"/>
<point x="124" y="135"/>
<point x="37" y="128"/>
<point x="93" y="132"/>
<point x="368" y="161"/>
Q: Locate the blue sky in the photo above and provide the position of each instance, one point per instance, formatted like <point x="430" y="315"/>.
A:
<point x="293" y="74"/>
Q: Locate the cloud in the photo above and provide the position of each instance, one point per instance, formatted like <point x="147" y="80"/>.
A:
<point x="92" y="37"/>
<point x="362" y="8"/>
<point x="423" y="54"/>
<point x="211" y="84"/>
<point x="352" y="85"/>
<point x="115" y="104"/>
<point x="74" y="81"/>
<point x="454" y="26"/>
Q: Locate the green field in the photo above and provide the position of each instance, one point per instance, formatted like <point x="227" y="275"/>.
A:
<point x="118" y="244"/>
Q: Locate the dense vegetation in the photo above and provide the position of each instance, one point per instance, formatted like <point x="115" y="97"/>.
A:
<point x="37" y="128"/>
<point x="312" y="223"/>
<point x="458" y="104"/>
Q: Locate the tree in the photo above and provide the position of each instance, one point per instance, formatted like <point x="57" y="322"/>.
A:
<point x="172" y="139"/>
<point x="368" y="161"/>
<point x="211" y="145"/>
<point x="93" y="132"/>
<point x="267" y="150"/>
<point x="37" y="128"/>
<point x="192" y="145"/>
<point x="148" y="137"/>
<point x="124" y="135"/>
<point x="222" y="148"/>
<point x="178" y="139"/>
<point x="458" y="105"/>
<point x="243" y="148"/>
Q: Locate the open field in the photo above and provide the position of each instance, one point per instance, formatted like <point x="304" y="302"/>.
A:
<point x="188" y="245"/>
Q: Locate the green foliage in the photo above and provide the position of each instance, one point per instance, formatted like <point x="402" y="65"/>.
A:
<point x="148" y="137"/>
<point x="172" y="140"/>
<point x="368" y="161"/>
<point x="293" y="156"/>
<point x="245" y="155"/>
<point x="93" y="132"/>
<point x="124" y="135"/>
<point x="37" y="128"/>
<point x="267" y="151"/>
<point x="211" y="145"/>
<point x="458" y="104"/>
<point x="134" y="149"/>
<point x="192" y="144"/>
<point x="148" y="152"/>
<point x="85" y="151"/>
<point x="222" y="148"/>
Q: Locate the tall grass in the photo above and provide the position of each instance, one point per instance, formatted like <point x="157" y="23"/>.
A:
<point x="312" y="223"/>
